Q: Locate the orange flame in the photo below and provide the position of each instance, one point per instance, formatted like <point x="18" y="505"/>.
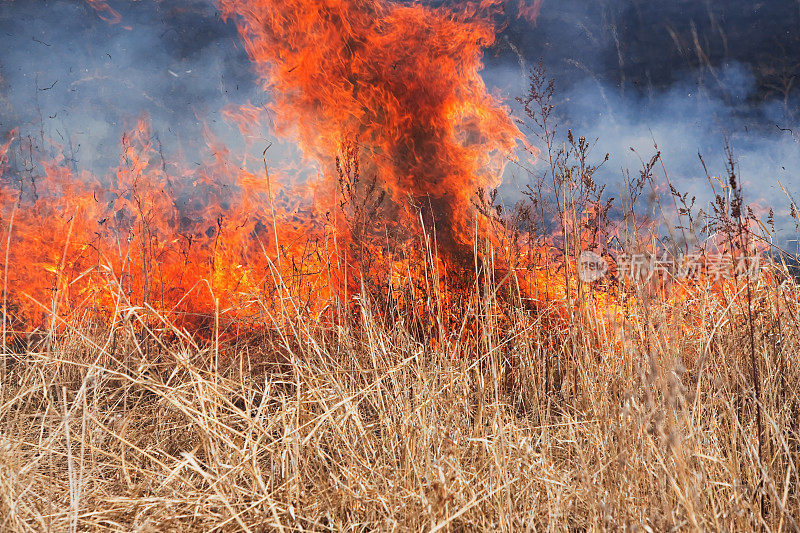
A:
<point x="400" y="80"/>
<point x="377" y="92"/>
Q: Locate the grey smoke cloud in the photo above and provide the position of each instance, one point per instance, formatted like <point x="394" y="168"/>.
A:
<point x="683" y="120"/>
<point x="81" y="80"/>
<point x="685" y="75"/>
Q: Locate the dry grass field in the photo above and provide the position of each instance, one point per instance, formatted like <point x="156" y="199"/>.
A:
<point x="515" y="421"/>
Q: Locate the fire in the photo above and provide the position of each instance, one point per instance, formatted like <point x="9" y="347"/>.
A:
<point x="387" y="101"/>
<point x="402" y="81"/>
<point x="385" y="97"/>
<point x="80" y="245"/>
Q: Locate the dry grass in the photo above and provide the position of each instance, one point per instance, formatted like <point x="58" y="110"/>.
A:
<point x="361" y="425"/>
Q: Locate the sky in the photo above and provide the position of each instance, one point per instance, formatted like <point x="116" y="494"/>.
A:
<point x="685" y="75"/>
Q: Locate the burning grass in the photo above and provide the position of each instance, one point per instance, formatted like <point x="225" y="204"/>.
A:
<point x="195" y="350"/>
<point x="369" y="384"/>
<point x="510" y="421"/>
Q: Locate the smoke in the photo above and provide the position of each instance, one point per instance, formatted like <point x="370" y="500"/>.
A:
<point x="73" y="77"/>
<point x="682" y="122"/>
<point x="689" y="77"/>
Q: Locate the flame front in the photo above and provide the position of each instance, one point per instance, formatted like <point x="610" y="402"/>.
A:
<point x="384" y="97"/>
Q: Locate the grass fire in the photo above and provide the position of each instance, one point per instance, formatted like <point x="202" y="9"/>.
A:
<point x="351" y="265"/>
